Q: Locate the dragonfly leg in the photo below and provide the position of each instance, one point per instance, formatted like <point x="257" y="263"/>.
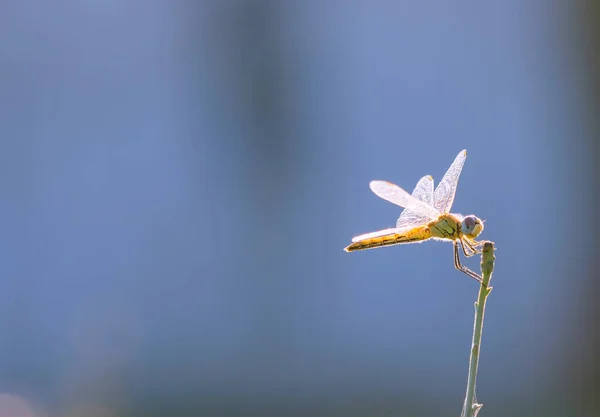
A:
<point x="464" y="247"/>
<point x="478" y="243"/>
<point x="462" y="268"/>
<point x="472" y="246"/>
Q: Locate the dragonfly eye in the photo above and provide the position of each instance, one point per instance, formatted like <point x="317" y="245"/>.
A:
<point x="469" y="222"/>
<point x="472" y="226"/>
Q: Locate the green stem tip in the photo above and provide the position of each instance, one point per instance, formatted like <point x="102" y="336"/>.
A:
<point x="487" y="261"/>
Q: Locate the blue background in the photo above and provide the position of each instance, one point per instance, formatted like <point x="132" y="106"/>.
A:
<point x="178" y="180"/>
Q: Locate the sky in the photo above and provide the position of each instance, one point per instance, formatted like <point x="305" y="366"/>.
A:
<point x="179" y="179"/>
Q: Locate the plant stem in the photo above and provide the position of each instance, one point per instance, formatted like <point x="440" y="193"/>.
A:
<point x="470" y="407"/>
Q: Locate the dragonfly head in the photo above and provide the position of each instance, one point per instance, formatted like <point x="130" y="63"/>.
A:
<point x="472" y="226"/>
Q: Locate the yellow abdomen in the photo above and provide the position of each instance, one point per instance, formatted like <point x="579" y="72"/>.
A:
<point x="372" y="240"/>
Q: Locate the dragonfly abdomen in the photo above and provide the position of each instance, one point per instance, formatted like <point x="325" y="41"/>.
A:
<point x="414" y="235"/>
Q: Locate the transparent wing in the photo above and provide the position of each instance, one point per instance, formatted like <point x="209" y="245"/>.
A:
<point x="443" y="196"/>
<point x="398" y="196"/>
<point x="423" y="192"/>
<point x="378" y="233"/>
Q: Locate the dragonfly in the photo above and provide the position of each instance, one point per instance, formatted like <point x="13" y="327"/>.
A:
<point x="427" y="216"/>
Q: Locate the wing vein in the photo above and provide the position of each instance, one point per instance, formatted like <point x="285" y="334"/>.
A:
<point x="396" y="195"/>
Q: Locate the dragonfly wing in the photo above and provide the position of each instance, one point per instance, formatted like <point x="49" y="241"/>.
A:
<point x="371" y="235"/>
<point x="394" y="194"/>
<point x="424" y="192"/>
<point x="443" y="196"/>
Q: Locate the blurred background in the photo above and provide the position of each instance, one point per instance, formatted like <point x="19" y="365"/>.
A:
<point x="178" y="180"/>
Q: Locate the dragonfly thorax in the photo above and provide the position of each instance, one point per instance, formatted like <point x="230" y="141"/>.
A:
<point x="472" y="226"/>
